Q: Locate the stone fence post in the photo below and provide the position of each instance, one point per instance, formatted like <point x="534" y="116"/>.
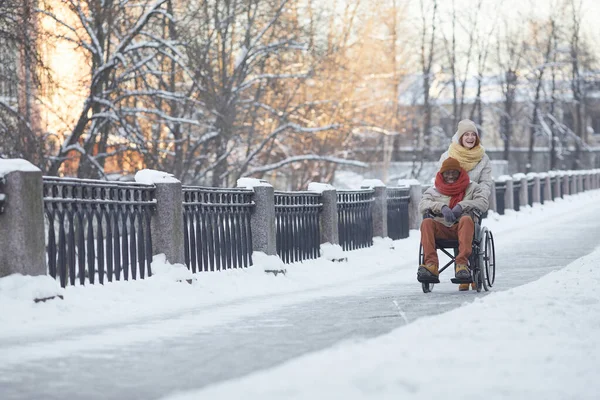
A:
<point x="535" y="193"/>
<point x="379" y="208"/>
<point x="523" y="190"/>
<point x="328" y="221"/>
<point x="493" y="206"/>
<point x="167" y="222"/>
<point x="414" y="216"/>
<point x="22" y="242"/>
<point x="547" y="188"/>
<point x="262" y="220"/>
<point x="509" y="199"/>
<point x="557" y="185"/>
<point x="566" y="183"/>
<point x="574" y="181"/>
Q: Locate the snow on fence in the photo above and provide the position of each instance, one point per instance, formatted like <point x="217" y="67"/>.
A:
<point x="97" y="230"/>
<point x="217" y="228"/>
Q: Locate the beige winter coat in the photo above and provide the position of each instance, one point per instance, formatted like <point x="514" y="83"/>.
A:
<point x="481" y="174"/>
<point x="475" y="198"/>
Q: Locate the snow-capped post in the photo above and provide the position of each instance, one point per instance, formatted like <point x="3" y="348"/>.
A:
<point x="523" y="190"/>
<point x="493" y="205"/>
<point x="416" y="192"/>
<point x="22" y="242"/>
<point x="535" y="192"/>
<point x="328" y="220"/>
<point x="547" y="187"/>
<point x="509" y="198"/>
<point x="166" y="226"/>
<point x="557" y="185"/>
<point x="379" y="207"/>
<point x="566" y="182"/>
<point x="262" y="220"/>
<point x="574" y="181"/>
<point x="586" y="181"/>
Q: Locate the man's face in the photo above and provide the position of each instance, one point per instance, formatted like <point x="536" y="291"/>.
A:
<point x="450" y="176"/>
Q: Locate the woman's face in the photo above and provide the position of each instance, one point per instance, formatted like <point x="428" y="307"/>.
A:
<point x="469" y="139"/>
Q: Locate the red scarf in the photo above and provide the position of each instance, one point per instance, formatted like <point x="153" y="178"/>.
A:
<point x="456" y="190"/>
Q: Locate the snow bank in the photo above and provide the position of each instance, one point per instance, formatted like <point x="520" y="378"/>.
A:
<point x="16" y="164"/>
<point x="333" y="252"/>
<point x="537" y="341"/>
<point x="151" y="176"/>
<point x="21" y="290"/>
<point x="164" y="270"/>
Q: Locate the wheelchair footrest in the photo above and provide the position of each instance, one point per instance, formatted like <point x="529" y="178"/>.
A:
<point x="456" y="280"/>
<point x="428" y="279"/>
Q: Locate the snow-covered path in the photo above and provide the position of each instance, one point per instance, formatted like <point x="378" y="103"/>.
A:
<point x="156" y="356"/>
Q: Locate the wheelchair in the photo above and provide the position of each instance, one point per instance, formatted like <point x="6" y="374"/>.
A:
<point x="482" y="262"/>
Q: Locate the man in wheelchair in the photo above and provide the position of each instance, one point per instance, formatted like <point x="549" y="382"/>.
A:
<point x="448" y="207"/>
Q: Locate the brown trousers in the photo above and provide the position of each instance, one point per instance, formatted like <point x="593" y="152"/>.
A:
<point x="463" y="231"/>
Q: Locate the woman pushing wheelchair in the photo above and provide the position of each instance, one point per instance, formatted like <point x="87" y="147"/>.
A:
<point x="449" y="206"/>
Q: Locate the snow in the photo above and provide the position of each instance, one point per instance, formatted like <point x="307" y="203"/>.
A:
<point x="151" y="176"/>
<point x="164" y="270"/>
<point x="499" y="345"/>
<point x="536" y="341"/>
<point x="333" y="252"/>
<point x="20" y="290"/>
<point x="251" y="183"/>
<point x="16" y="164"/>
<point x="372" y="183"/>
<point x="319" y="187"/>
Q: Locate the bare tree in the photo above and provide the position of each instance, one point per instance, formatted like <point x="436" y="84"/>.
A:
<point x="21" y="70"/>
<point x="509" y="56"/>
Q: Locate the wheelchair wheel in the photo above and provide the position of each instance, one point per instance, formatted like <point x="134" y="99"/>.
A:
<point x="489" y="257"/>
<point x="427" y="287"/>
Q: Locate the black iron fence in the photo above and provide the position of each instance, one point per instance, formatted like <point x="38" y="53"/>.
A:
<point x="97" y="230"/>
<point x="217" y="228"/>
<point x="553" y="193"/>
<point x="397" y="212"/>
<point x="355" y="218"/>
<point x="542" y="190"/>
<point x="500" y="193"/>
<point x="516" y="197"/>
<point x="297" y="225"/>
<point x="530" y="183"/>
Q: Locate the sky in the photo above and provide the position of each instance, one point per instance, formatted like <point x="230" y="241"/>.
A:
<point x="547" y="332"/>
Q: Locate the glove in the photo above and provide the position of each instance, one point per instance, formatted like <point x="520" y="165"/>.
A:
<point x="448" y="214"/>
<point x="457" y="211"/>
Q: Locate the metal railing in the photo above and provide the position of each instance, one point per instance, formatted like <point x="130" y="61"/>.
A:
<point x="553" y="193"/>
<point x="397" y="212"/>
<point x="516" y="197"/>
<point x="217" y="228"/>
<point x="530" y="183"/>
<point x="500" y="193"/>
<point x="355" y="218"/>
<point x="97" y="230"/>
<point x="297" y="225"/>
<point x="542" y="190"/>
